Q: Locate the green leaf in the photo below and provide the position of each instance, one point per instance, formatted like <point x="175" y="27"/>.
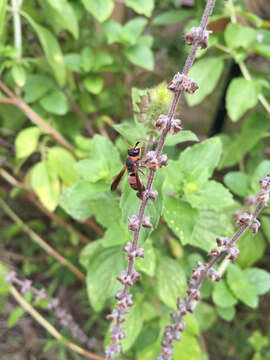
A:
<point x="133" y="326"/>
<point x="65" y="16"/>
<point x="222" y="296"/>
<point x="261" y="171"/>
<point x="104" y="161"/>
<point x="4" y="286"/>
<point x="237" y="35"/>
<point x="261" y="44"/>
<point x="180" y="217"/>
<point x="55" y="103"/>
<point x="171" y="281"/>
<point x="206" y="72"/>
<point x="144" y="7"/>
<point x="252" y="247"/>
<point x="62" y="163"/>
<point x="26" y="142"/>
<point x="226" y="313"/>
<point x="15" y="316"/>
<point x="238" y="92"/>
<point x="170" y="17"/>
<point x="76" y="200"/>
<point x="117" y="234"/>
<point x="256" y="20"/>
<point x="100" y="9"/>
<point x="212" y="195"/>
<point x="182" y="136"/>
<point x="205" y="315"/>
<point x="188" y="348"/>
<point x="73" y="62"/>
<point x="242" y="144"/>
<point x="88" y="252"/>
<point x="37" y="86"/>
<point x="51" y="48"/>
<point x="131" y="131"/>
<point x="237" y="182"/>
<point x="259" y="279"/>
<point x="209" y="225"/>
<point x="3" y="4"/>
<point x="46" y="185"/>
<point x="104" y="267"/>
<point x="258" y="341"/>
<point x="240" y="287"/>
<point x="265" y="220"/>
<point x="134" y="28"/>
<point x="93" y="84"/>
<point x="19" y="75"/>
<point x="140" y="55"/>
<point x="148" y="263"/>
<point x="202" y="157"/>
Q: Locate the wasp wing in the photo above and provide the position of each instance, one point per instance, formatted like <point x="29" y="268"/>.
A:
<point x="117" y="179"/>
<point x="138" y="180"/>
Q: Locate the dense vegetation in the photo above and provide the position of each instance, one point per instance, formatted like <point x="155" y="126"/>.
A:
<point x="76" y="78"/>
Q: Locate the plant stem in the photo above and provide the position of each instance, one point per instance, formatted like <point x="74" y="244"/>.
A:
<point x="39" y="241"/>
<point x="46" y="325"/>
<point x="16" y="4"/>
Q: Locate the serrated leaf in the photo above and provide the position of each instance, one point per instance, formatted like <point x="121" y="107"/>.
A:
<point x="46" y="185"/>
<point x="55" y="103"/>
<point x="19" y="75"/>
<point x="180" y="217"/>
<point x="206" y="72"/>
<point x="252" y="247"/>
<point x="237" y="35"/>
<point x="93" y="84"/>
<point x="237" y="182"/>
<point x="100" y="9"/>
<point x="169" y="291"/>
<point x="170" y="17"/>
<point x="51" y="48"/>
<point x="240" y="287"/>
<point x="222" y="296"/>
<point x="182" y="136"/>
<point x="102" y="271"/>
<point x="200" y="158"/>
<point x="65" y="16"/>
<point x="62" y="163"/>
<point x="140" y="55"/>
<point x="36" y="86"/>
<point x="144" y="7"/>
<point x="104" y="161"/>
<point x="76" y="200"/>
<point x="15" y="316"/>
<point x="237" y="94"/>
<point x="259" y="279"/>
<point x="26" y="142"/>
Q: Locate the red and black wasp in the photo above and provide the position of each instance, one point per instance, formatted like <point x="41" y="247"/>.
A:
<point x="132" y="166"/>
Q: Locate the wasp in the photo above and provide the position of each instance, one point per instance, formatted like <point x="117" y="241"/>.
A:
<point x="132" y="166"/>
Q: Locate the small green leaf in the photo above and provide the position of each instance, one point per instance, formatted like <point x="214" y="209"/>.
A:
<point x="238" y="92"/>
<point x="251" y="248"/>
<point x="116" y="235"/>
<point x="88" y="252"/>
<point x="182" y="136"/>
<point x="131" y="131"/>
<point x="188" y="348"/>
<point x="37" y="86"/>
<point x="73" y="62"/>
<point x="237" y="35"/>
<point x="76" y="200"/>
<point x="46" y="185"/>
<point x="171" y="281"/>
<point x="62" y="163"/>
<point x="206" y="72"/>
<point x="144" y="7"/>
<point x="240" y="287"/>
<point x="226" y="313"/>
<point x="27" y="141"/>
<point x="15" y="316"/>
<point x="180" y="217"/>
<point x="222" y="296"/>
<point x="258" y="341"/>
<point x="19" y="75"/>
<point x="237" y="182"/>
<point x="140" y="55"/>
<point x="93" y="84"/>
<point x="259" y="279"/>
<point x="51" y="48"/>
<point x="104" y="266"/>
<point x="55" y="103"/>
<point x="170" y="17"/>
<point x="100" y="9"/>
<point x="205" y="315"/>
<point x="261" y="44"/>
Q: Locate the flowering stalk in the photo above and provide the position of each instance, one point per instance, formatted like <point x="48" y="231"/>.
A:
<point x="230" y="251"/>
<point x="154" y="160"/>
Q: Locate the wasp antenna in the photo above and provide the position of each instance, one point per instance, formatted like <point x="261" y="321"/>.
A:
<point x="125" y="141"/>
<point x="137" y="143"/>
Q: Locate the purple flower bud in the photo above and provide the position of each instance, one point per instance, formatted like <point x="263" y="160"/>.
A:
<point x="213" y="275"/>
<point x="133" y="223"/>
<point x="162" y="122"/>
<point x="146" y="222"/>
<point x="233" y="253"/>
<point x="194" y="293"/>
<point x="26" y="286"/>
<point x="181" y="306"/>
<point x="53" y="304"/>
<point x="41" y="295"/>
<point x="175" y="126"/>
<point x="244" y="219"/>
<point x="255" y="226"/>
<point x="152" y="194"/>
<point x="163" y="160"/>
<point x="10" y="277"/>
